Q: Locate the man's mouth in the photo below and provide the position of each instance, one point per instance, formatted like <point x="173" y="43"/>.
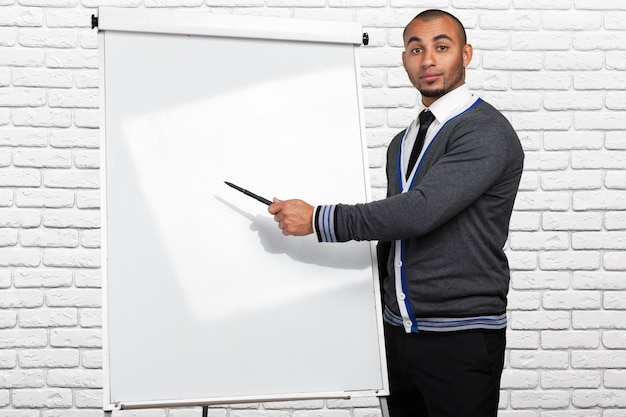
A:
<point x="430" y="77"/>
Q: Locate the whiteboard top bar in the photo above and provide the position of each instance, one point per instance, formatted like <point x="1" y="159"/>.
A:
<point x="198" y="22"/>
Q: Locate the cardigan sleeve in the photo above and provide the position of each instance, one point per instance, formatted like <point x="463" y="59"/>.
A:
<point x="482" y="160"/>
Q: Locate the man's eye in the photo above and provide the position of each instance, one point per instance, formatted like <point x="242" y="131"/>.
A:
<point x="442" y="47"/>
<point x="416" y="50"/>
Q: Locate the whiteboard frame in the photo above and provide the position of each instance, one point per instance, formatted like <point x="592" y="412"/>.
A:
<point x="201" y="23"/>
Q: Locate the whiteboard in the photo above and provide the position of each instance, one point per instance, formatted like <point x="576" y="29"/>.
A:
<point x="205" y="301"/>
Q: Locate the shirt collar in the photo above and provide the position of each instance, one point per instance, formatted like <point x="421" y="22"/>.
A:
<point x="445" y="105"/>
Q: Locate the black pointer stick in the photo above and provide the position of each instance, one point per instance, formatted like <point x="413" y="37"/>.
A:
<point x="248" y="193"/>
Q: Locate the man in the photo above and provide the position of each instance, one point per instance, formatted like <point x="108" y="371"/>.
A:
<point x="441" y="232"/>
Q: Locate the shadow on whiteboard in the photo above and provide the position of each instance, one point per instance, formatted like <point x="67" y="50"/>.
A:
<point x="348" y="256"/>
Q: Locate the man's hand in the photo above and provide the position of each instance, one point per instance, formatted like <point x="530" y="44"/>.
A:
<point x="294" y="217"/>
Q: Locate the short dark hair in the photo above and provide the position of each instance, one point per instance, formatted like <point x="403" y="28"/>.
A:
<point x="432" y="14"/>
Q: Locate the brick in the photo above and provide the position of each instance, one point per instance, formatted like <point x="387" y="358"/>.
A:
<point x="572" y="221"/>
<point x="598" y="280"/>
<point x="541" y="80"/>
<point x="21" y="57"/>
<point x="616" y="100"/>
<point x="36" y="197"/>
<point x="46" y="238"/>
<point x="539" y="280"/>
<point x="607" y="120"/>
<point x="599" y="398"/>
<point x="19" y="218"/>
<point x="88" y="278"/>
<point x="542" y="4"/>
<point x="49" y="278"/>
<point x="516" y="379"/>
<point x="20" y="258"/>
<point x="8" y="320"/>
<point x="615" y="261"/>
<point x="604" y="5"/>
<point x="75" y="378"/>
<point x="21" y="338"/>
<point x="615" y="301"/>
<point x="497" y="60"/>
<point x="93" y="398"/>
<point x="555" y="141"/>
<point x="6" y="198"/>
<point x="543" y="201"/>
<point x="42" y="117"/>
<point x="8" y="359"/>
<point x="539" y="399"/>
<point x="599" y="240"/>
<point x="22" y="378"/>
<point x="66" y="297"/>
<point x="614" y="339"/>
<point x="21" y="299"/>
<point x="90" y="239"/>
<point x="74" y="138"/>
<point x="524" y="221"/>
<point x="42" y="398"/>
<point x="8" y="237"/>
<point x="569" y="339"/>
<point x="72" y="58"/>
<point x="607" y="200"/>
<point x="23" y="137"/>
<point x="90" y="317"/>
<point x="72" y="258"/>
<point x="87" y="118"/>
<point x="48" y="38"/>
<point x="542" y="121"/>
<point x="571" y="379"/>
<point x="72" y="179"/>
<point x="578" y="180"/>
<point x="88" y="199"/>
<point x="30" y="77"/>
<point x="599" y="320"/>
<point x="569" y="260"/>
<point x="615" y="379"/>
<point x="86" y="98"/>
<point x="570" y="300"/>
<point x="522" y="261"/>
<point x="42" y="158"/>
<point x="603" y="80"/>
<point x="75" y="338"/>
<point x="573" y="101"/>
<point x="615" y="60"/>
<point x="537" y="320"/>
<point x="538" y="240"/>
<point x="49" y="358"/>
<point x="69" y="18"/>
<point x="574" y="61"/>
<point x="541" y="41"/>
<point x="22" y="16"/>
<point x="48" y="318"/>
<point x="572" y="21"/>
<point x="513" y="101"/>
<point x="62" y="218"/>
<point x="22" y="97"/>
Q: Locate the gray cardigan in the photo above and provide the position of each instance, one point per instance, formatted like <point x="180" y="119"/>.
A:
<point x="452" y="224"/>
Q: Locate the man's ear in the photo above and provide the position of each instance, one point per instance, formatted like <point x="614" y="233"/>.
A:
<point x="468" y="51"/>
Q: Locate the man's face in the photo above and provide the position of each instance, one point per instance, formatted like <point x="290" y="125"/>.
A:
<point x="435" y="57"/>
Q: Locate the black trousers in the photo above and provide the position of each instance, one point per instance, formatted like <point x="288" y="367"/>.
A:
<point x="454" y="374"/>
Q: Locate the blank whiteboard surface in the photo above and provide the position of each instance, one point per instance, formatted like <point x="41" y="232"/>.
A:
<point x="205" y="299"/>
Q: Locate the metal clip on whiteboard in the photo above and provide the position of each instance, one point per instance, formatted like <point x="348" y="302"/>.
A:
<point x="366" y="38"/>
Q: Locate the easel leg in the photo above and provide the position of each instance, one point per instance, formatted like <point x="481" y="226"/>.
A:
<point x="108" y="414"/>
<point x="384" y="408"/>
<point x="205" y="411"/>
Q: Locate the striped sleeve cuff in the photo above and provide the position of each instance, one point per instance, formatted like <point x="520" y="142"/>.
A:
<point x="324" y="223"/>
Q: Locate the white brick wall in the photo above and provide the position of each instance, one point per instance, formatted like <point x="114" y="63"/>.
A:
<point x="556" y="68"/>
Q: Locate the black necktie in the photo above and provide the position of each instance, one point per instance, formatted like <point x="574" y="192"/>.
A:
<point x="426" y="118"/>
